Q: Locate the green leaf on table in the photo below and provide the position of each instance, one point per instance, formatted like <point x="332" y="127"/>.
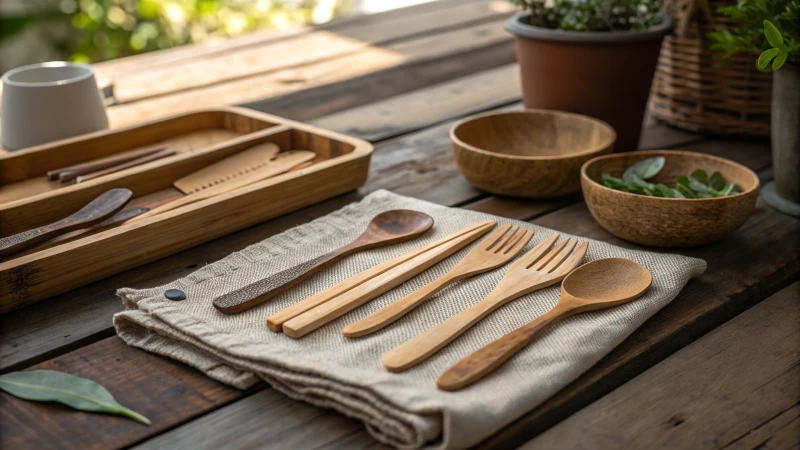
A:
<point x="645" y="169"/>
<point x="75" y="392"/>
<point x="717" y="181"/>
<point x="701" y="176"/>
<point x="773" y="35"/>
<point x="765" y="58"/>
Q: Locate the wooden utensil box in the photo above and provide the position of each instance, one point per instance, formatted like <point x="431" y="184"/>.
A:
<point x="28" y="200"/>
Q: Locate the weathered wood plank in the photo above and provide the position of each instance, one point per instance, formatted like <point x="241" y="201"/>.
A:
<point x="176" y="56"/>
<point x="298" y="50"/>
<point x="694" y="399"/>
<point x="291" y="424"/>
<point x="449" y="44"/>
<point x="179" y="394"/>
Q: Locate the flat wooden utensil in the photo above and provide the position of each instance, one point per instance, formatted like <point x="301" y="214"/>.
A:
<point x="96" y="211"/>
<point x="389" y="227"/>
<point x="540" y="267"/>
<point x="71" y="172"/>
<point x="600" y="284"/>
<point x="492" y="252"/>
<point x="275" y="322"/>
<point x="126" y="165"/>
<point x="237" y="165"/>
<point x="338" y="306"/>
<point x="281" y="163"/>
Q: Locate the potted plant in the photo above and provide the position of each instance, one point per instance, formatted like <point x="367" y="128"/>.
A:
<point x="771" y="30"/>
<point x="593" y="57"/>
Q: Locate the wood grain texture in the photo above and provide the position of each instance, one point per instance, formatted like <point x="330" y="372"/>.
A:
<point x="544" y="265"/>
<point x="96" y="211"/>
<point x="126" y="165"/>
<point x="735" y="387"/>
<point x="175" y="395"/>
<point x="532" y="153"/>
<point x="493" y="251"/>
<point x="342" y="166"/>
<point x="668" y="222"/>
<point x="387" y="228"/>
<point x="600" y="284"/>
<point x="69" y="173"/>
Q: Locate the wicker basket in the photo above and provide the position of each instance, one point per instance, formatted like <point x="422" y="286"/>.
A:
<point x="695" y="90"/>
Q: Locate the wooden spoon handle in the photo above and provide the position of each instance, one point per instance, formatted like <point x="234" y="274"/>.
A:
<point x="126" y="165"/>
<point x="485" y="360"/>
<point x="65" y="174"/>
<point x="262" y="290"/>
<point x="394" y="311"/>
<point x="99" y="209"/>
<point x="419" y="348"/>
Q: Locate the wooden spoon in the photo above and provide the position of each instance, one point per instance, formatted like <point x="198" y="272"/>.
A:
<point x="599" y="284"/>
<point x="386" y="228"/>
<point x="101" y="208"/>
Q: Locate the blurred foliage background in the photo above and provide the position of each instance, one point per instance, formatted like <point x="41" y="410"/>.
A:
<point x="99" y="30"/>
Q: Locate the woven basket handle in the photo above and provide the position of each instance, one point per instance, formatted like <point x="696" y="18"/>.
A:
<point x="684" y="12"/>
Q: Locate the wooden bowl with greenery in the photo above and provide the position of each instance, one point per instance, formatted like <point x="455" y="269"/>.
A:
<point x="532" y="153"/>
<point x="693" y="199"/>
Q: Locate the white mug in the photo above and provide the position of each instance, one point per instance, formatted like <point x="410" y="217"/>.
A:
<point x="50" y="101"/>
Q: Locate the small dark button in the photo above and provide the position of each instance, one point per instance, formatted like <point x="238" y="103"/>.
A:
<point x="175" y="294"/>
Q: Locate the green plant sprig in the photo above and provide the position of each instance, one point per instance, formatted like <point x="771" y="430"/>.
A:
<point x="593" y="15"/>
<point x="696" y="185"/>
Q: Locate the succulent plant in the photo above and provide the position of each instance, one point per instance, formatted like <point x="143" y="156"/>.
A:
<point x="593" y="15"/>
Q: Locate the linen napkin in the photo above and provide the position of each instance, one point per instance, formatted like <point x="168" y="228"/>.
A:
<point x="404" y="410"/>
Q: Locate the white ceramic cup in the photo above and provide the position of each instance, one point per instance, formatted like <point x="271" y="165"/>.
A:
<point x="50" y="101"/>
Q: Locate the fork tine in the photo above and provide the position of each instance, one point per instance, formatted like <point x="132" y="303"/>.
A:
<point x="491" y="240"/>
<point x="574" y="259"/>
<point x="561" y="256"/>
<point x="507" y="239"/>
<point x="520" y="243"/>
<point x="536" y="252"/>
<point x="550" y="255"/>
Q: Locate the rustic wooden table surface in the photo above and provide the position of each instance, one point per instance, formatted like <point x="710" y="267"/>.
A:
<point x="717" y="368"/>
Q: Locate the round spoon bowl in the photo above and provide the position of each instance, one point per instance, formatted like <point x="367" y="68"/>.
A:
<point x="605" y="282"/>
<point x="398" y="225"/>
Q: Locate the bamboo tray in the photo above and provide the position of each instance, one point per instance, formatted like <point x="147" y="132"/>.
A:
<point x="29" y="200"/>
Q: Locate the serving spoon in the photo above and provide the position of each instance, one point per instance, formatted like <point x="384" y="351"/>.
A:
<point x="599" y="284"/>
<point x="389" y="227"/>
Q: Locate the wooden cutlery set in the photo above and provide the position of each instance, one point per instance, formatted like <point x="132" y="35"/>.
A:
<point x="254" y="164"/>
<point x="599" y="284"/>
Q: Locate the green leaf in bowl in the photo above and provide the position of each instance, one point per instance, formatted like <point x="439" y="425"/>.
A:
<point x="685" y="190"/>
<point x="75" y="392"/>
<point x="645" y="169"/>
<point x="717" y="181"/>
<point x="701" y="176"/>
<point x="729" y="189"/>
<point x="665" y="191"/>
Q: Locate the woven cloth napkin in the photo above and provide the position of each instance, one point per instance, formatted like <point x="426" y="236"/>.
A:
<point x="324" y="368"/>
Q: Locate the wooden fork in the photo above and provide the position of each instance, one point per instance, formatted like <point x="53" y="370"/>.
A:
<point x="492" y="252"/>
<point x="541" y="267"/>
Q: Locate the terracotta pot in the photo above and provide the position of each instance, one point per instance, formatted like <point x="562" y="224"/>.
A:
<point x="784" y="192"/>
<point x="606" y="75"/>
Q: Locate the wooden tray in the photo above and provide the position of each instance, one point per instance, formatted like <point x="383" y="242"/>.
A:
<point x="29" y="200"/>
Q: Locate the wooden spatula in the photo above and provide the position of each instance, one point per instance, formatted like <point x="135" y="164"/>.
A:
<point x="216" y="183"/>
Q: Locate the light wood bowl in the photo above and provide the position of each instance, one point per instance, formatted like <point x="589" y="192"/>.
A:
<point x="668" y="222"/>
<point x="532" y="153"/>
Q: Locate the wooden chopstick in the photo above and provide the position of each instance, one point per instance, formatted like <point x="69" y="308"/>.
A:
<point x="126" y="165"/>
<point x="277" y="321"/>
<point x="69" y="173"/>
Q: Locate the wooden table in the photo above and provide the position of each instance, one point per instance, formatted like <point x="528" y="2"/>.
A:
<point x="717" y="368"/>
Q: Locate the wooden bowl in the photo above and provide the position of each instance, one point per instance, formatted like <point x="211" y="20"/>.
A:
<point x="532" y="153"/>
<point x="668" y="222"/>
